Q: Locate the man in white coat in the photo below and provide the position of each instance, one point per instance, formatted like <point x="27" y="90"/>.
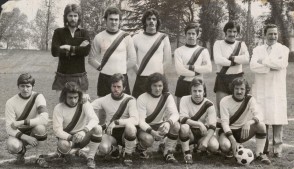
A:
<point x="269" y="63"/>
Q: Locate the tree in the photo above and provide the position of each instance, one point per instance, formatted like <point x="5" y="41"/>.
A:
<point x="13" y="29"/>
<point x="44" y="24"/>
<point x="232" y="9"/>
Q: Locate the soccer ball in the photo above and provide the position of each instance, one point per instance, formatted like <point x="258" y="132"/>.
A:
<point x="244" y="156"/>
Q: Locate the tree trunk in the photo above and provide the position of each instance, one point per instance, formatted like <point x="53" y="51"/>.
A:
<point x="47" y="24"/>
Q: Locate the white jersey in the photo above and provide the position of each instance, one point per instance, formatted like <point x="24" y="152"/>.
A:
<point x="159" y="60"/>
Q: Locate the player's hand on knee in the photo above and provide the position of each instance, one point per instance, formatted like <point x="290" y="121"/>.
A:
<point x="156" y="135"/>
<point x="16" y="124"/>
<point x="30" y="140"/>
<point x="110" y="128"/>
<point x="164" y="128"/>
<point x="203" y="129"/>
<point x="245" y="131"/>
<point x="79" y="136"/>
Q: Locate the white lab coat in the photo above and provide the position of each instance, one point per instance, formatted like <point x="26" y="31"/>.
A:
<point x="269" y="87"/>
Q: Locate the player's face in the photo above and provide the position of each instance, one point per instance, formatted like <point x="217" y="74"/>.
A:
<point x="72" y="19"/>
<point x="239" y="91"/>
<point x="117" y="89"/>
<point x="191" y="37"/>
<point x="25" y="89"/>
<point x="112" y="22"/>
<point x="72" y="99"/>
<point x="197" y="93"/>
<point x="231" y="34"/>
<point x="271" y="36"/>
<point x="156" y="88"/>
<point x="151" y="22"/>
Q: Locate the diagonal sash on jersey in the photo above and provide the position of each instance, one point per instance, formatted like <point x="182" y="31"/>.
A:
<point x="111" y="49"/>
<point x="26" y="111"/>
<point x="75" y="119"/>
<point x="121" y="109"/>
<point x="193" y="59"/>
<point x="158" y="108"/>
<point x="150" y="53"/>
<point x="239" y="112"/>
<point x="235" y="53"/>
<point x="202" y="110"/>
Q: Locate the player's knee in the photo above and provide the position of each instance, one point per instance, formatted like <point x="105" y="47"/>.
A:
<point x="175" y="128"/>
<point x="14" y="145"/>
<point x="261" y="128"/>
<point x="225" y="145"/>
<point x="104" y="148"/>
<point x="64" y="146"/>
<point x="130" y="130"/>
<point x="184" y="130"/>
<point x="213" y="145"/>
<point x="97" y="130"/>
<point x="146" y="140"/>
<point x="39" y="130"/>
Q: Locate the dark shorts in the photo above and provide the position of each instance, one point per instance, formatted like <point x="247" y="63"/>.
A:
<point x="29" y="131"/>
<point x="103" y="85"/>
<point x="237" y="134"/>
<point x="183" y="88"/>
<point x="223" y="82"/>
<point x="140" y="86"/>
<point x="80" y="78"/>
<point x="118" y="134"/>
<point x="197" y="135"/>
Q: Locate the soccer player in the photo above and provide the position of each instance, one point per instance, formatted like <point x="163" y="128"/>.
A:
<point x="153" y="50"/>
<point x="121" y="120"/>
<point x="229" y="56"/>
<point x="158" y="118"/>
<point x="269" y="63"/>
<point x="241" y="119"/>
<point x="112" y="52"/>
<point x="71" y="44"/>
<point x="26" y="118"/>
<point x="198" y="121"/>
<point x="191" y="60"/>
<point x="76" y="124"/>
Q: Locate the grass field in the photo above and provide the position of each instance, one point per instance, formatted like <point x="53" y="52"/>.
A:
<point x="42" y="66"/>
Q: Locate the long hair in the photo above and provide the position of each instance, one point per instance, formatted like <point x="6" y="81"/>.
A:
<point x="72" y="8"/>
<point x="239" y="81"/>
<point x="197" y="82"/>
<point x="25" y="78"/>
<point x="148" y="13"/>
<point x="70" y="87"/>
<point x="156" y="77"/>
<point x="231" y="25"/>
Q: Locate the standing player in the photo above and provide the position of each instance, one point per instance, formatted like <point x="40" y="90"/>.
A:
<point x="26" y="117"/>
<point x="76" y="124"/>
<point x="158" y="117"/>
<point x="71" y="45"/>
<point x="229" y="55"/>
<point x="241" y="120"/>
<point x="269" y="63"/>
<point x="115" y="51"/>
<point x="198" y="121"/>
<point x="121" y="119"/>
<point x="191" y="60"/>
<point x="153" y="50"/>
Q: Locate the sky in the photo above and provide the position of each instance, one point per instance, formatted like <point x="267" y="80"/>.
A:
<point x="30" y="7"/>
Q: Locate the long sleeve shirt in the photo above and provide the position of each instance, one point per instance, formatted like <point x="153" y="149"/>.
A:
<point x="73" y="61"/>
<point x="110" y="106"/>
<point x="14" y="108"/>
<point x="222" y="52"/>
<point x="146" y="104"/>
<point x="124" y="55"/>
<point x="161" y="57"/>
<point x="182" y="57"/>
<point x="189" y="109"/>
<point x="62" y="116"/>
<point x="228" y="107"/>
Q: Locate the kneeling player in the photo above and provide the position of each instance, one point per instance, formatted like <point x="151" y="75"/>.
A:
<point x="198" y="121"/>
<point x="241" y="120"/>
<point x="76" y="124"/>
<point x="158" y="117"/>
<point x="121" y="119"/>
<point x="26" y="117"/>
